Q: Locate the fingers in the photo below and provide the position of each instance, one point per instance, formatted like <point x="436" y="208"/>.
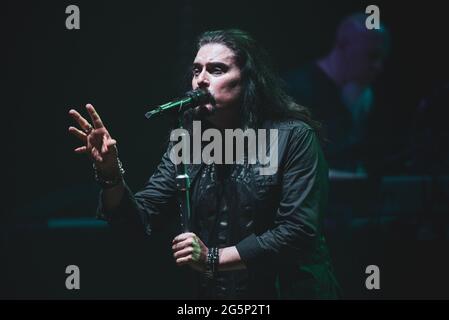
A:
<point x="183" y="236"/>
<point x="81" y="150"/>
<point x="93" y="153"/>
<point x="78" y="133"/>
<point x="84" y="124"/>
<point x="96" y="155"/>
<point x="184" y="260"/>
<point x="96" y="120"/>
<point x="104" y="148"/>
<point x="98" y="143"/>
<point x="183" y="244"/>
<point x="183" y="253"/>
<point x="188" y="255"/>
<point x="186" y="249"/>
<point x="107" y="145"/>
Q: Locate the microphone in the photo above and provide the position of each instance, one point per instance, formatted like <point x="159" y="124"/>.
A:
<point x="192" y="99"/>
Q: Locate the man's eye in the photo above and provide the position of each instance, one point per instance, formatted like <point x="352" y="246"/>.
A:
<point x="196" y="71"/>
<point x="217" y="70"/>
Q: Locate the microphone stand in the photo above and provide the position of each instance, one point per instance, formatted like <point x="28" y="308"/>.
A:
<point x="183" y="184"/>
<point x="194" y="97"/>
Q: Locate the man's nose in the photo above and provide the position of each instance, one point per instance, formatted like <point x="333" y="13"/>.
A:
<point x="203" y="79"/>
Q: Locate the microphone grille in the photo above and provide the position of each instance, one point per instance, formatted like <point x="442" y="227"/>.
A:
<point x="199" y="96"/>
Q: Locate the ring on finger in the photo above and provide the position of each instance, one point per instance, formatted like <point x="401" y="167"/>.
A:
<point x="88" y="130"/>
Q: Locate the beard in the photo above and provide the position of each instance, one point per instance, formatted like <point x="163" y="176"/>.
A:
<point x="203" y="112"/>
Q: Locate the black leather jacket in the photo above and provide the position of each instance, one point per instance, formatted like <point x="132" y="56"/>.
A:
<point x="275" y="221"/>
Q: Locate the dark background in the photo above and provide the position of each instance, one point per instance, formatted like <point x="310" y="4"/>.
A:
<point x="130" y="56"/>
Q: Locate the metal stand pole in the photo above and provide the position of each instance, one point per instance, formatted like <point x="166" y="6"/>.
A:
<point x="183" y="186"/>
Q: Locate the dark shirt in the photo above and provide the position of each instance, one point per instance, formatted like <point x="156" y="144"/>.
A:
<point x="275" y="221"/>
<point x="311" y="87"/>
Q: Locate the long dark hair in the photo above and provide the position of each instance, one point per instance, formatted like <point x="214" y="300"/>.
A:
<point x="264" y="96"/>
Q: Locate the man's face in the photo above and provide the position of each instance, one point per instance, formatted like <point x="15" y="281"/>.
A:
<point x="215" y="69"/>
<point x="365" y="58"/>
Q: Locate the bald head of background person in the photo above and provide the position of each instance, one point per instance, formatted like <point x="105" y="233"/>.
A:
<point x="354" y="63"/>
<point x="337" y="88"/>
<point x="358" y="53"/>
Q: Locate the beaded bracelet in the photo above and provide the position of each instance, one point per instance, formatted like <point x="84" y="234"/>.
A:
<point x="105" y="184"/>
<point x="212" y="262"/>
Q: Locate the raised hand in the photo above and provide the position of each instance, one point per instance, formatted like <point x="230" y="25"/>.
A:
<point x="96" y="140"/>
